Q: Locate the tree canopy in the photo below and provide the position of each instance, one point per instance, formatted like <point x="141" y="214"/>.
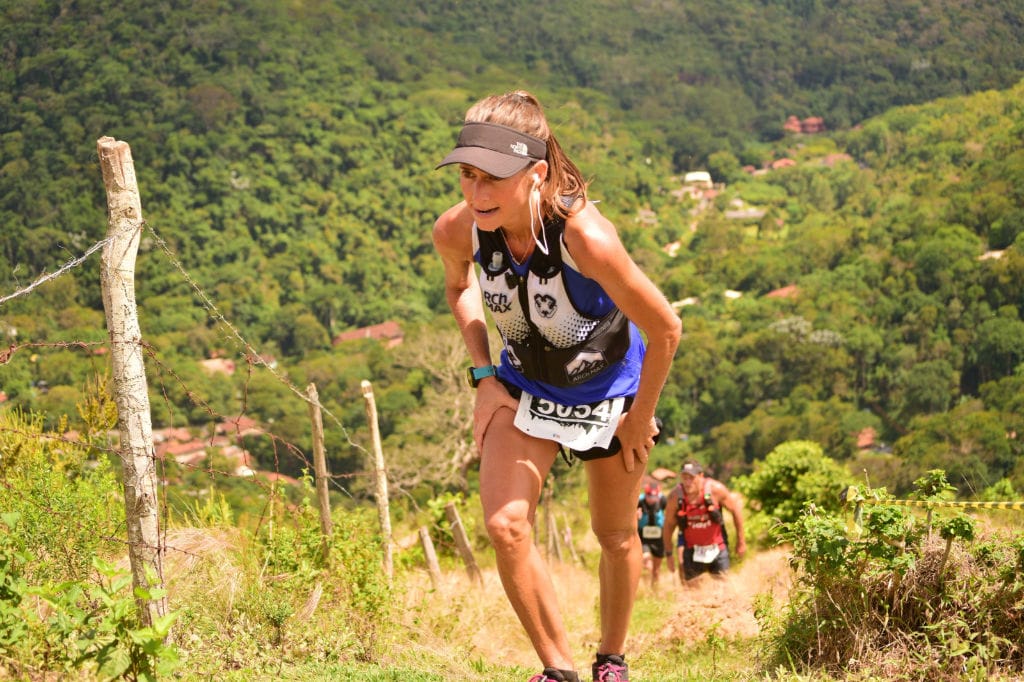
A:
<point x="285" y="155"/>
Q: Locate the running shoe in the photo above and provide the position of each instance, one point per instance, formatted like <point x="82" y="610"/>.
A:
<point x="610" y="668"/>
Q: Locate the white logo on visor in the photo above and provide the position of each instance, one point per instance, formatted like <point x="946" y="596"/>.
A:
<point x="519" y="148"/>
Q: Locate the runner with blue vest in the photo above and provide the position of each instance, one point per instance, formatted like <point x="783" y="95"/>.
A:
<point x="587" y="343"/>
<point x="650" y="514"/>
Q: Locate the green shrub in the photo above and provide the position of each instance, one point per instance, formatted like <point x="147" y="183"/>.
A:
<point x="792" y="475"/>
<point x="356" y="562"/>
<point x="67" y="494"/>
<point x="13" y="625"/>
<point x="441" y="528"/>
<point x="88" y="628"/>
<point x="880" y="591"/>
<point x="289" y="553"/>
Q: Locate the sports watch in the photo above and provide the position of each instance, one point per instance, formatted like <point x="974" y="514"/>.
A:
<point x="478" y="373"/>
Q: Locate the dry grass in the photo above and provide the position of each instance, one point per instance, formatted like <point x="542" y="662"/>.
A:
<point x="464" y="631"/>
<point x="204" y="566"/>
<point x="476" y="622"/>
<point x="473" y="627"/>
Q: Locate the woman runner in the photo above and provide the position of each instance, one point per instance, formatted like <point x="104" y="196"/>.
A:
<point x="574" y="373"/>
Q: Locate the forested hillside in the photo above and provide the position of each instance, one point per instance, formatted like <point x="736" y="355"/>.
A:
<point x="881" y="288"/>
<point x="285" y="156"/>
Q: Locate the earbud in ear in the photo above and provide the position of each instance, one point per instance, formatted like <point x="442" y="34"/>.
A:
<point x="536" y="180"/>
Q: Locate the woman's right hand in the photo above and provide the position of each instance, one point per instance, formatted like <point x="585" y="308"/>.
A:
<point x="491" y="396"/>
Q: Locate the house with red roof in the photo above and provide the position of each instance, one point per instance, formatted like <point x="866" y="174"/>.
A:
<point x="788" y="291"/>
<point x="388" y="333"/>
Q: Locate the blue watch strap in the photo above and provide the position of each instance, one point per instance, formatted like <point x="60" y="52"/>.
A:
<point x="478" y="373"/>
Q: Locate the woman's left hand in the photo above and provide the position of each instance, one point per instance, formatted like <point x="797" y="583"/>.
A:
<point x="636" y="435"/>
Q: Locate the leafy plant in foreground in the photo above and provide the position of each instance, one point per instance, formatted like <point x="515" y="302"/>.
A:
<point x="87" y="627"/>
<point x="13" y="627"/>
<point x="879" y="591"/>
<point x="67" y="496"/>
<point x="98" y="626"/>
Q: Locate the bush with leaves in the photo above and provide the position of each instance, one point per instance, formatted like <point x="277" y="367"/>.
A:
<point x="13" y="626"/>
<point x="368" y="596"/>
<point x="289" y="549"/>
<point x="90" y="629"/>
<point x="794" y="474"/>
<point x="876" y="590"/>
<point x="441" y="528"/>
<point x="66" y="493"/>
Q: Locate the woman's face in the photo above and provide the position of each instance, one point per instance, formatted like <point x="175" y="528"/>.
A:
<point x="496" y="202"/>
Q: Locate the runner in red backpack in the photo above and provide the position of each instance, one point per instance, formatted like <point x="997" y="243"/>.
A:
<point x="695" y="507"/>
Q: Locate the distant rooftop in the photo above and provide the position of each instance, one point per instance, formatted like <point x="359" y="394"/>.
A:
<point x="389" y="333"/>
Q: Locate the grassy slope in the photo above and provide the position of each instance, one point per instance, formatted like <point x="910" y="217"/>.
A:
<point x="459" y="631"/>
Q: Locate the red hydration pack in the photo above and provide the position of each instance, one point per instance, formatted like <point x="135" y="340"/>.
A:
<point x="701" y="523"/>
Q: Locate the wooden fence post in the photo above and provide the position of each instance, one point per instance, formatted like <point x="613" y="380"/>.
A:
<point x="320" y="469"/>
<point x="380" y="477"/>
<point x="431" y="556"/>
<point x="554" y="541"/>
<point x="567" y="537"/>
<point x="136" y="451"/>
<point x="542" y="517"/>
<point x="462" y="543"/>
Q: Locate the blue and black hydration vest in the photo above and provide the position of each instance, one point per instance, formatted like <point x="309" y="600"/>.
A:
<point x="559" y="327"/>
<point x="651" y="514"/>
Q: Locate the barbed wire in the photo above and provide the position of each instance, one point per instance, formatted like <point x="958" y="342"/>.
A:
<point x="115" y="452"/>
<point x="252" y="355"/>
<point x="163" y="369"/>
<point x="8" y="353"/>
<point x="275" y="439"/>
<point x="74" y="262"/>
<point x="71" y="516"/>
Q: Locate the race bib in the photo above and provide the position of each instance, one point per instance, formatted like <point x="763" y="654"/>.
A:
<point x="705" y="554"/>
<point x="651" y="533"/>
<point x="578" y="427"/>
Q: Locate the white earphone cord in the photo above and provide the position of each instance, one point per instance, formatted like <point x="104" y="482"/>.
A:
<point x="535" y="212"/>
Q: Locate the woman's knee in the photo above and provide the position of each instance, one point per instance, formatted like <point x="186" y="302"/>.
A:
<point x="508" y="530"/>
<point x="617" y="541"/>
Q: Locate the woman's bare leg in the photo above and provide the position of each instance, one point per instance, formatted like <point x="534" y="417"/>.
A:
<point x="613" y="494"/>
<point x="513" y="467"/>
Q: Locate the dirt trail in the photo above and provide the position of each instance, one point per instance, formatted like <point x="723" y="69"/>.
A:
<point x="497" y="635"/>
<point x="729" y="602"/>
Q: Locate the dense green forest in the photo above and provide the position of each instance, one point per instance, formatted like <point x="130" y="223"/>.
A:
<point x="285" y="156"/>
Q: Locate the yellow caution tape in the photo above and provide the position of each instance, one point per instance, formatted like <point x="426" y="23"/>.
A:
<point x="939" y="503"/>
<point x="848" y="494"/>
